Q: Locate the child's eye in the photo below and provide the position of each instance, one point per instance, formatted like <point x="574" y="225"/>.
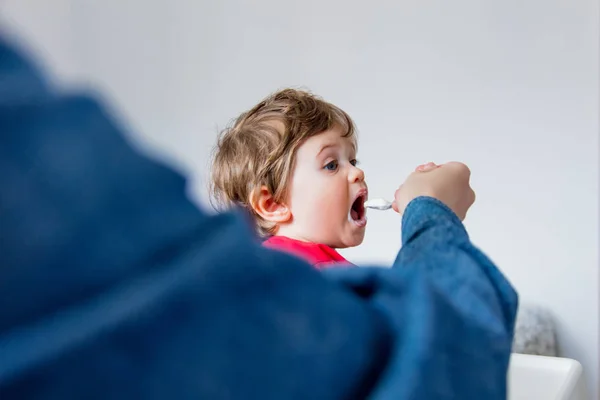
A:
<point x="354" y="162"/>
<point x="331" y="166"/>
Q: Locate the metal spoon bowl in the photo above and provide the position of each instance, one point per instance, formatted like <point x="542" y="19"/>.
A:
<point x="378" y="204"/>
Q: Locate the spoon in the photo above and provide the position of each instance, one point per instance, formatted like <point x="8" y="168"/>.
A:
<point x="378" y="204"/>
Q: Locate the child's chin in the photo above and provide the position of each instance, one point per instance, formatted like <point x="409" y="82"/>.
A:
<point x="357" y="238"/>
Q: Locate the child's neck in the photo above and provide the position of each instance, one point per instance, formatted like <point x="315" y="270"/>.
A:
<point x="289" y="232"/>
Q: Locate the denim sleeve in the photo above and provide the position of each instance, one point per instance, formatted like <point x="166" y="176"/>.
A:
<point x="451" y="309"/>
<point x="113" y="285"/>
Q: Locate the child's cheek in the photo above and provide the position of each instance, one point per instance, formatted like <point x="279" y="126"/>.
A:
<point x="332" y="200"/>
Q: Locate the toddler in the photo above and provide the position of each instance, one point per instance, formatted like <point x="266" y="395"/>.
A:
<point x="291" y="162"/>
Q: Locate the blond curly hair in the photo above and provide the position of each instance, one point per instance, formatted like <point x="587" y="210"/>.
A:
<point x="259" y="148"/>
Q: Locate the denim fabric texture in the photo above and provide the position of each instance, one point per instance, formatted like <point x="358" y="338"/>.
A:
<point x="113" y="285"/>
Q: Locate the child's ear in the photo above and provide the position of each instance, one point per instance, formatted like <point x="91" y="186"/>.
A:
<point x="264" y="204"/>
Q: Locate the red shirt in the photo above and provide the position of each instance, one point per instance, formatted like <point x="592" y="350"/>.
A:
<point x="319" y="255"/>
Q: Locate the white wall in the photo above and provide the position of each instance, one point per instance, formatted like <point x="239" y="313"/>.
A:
<point x="510" y="87"/>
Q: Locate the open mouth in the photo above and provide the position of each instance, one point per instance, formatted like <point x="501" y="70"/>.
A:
<point x="357" y="211"/>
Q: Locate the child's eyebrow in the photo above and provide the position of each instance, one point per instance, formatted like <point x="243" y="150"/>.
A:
<point x="327" y="146"/>
<point x="336" y="145"/>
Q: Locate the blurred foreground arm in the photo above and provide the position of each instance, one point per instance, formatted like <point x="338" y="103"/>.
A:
<point x="113" y="285"/>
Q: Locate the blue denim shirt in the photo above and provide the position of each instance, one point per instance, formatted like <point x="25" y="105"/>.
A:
<point x="114" y="286"/>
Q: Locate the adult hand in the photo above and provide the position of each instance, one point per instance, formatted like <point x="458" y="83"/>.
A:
<point x="427" y="167"/>
<point x="449" y="183"/>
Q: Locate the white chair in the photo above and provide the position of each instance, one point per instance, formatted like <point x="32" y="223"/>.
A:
<point x="545" y="378"/>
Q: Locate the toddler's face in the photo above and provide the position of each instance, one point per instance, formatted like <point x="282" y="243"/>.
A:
<point x="327" y="192"/>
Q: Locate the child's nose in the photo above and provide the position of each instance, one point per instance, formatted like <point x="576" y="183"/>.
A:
<point x="356" y="175"/>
